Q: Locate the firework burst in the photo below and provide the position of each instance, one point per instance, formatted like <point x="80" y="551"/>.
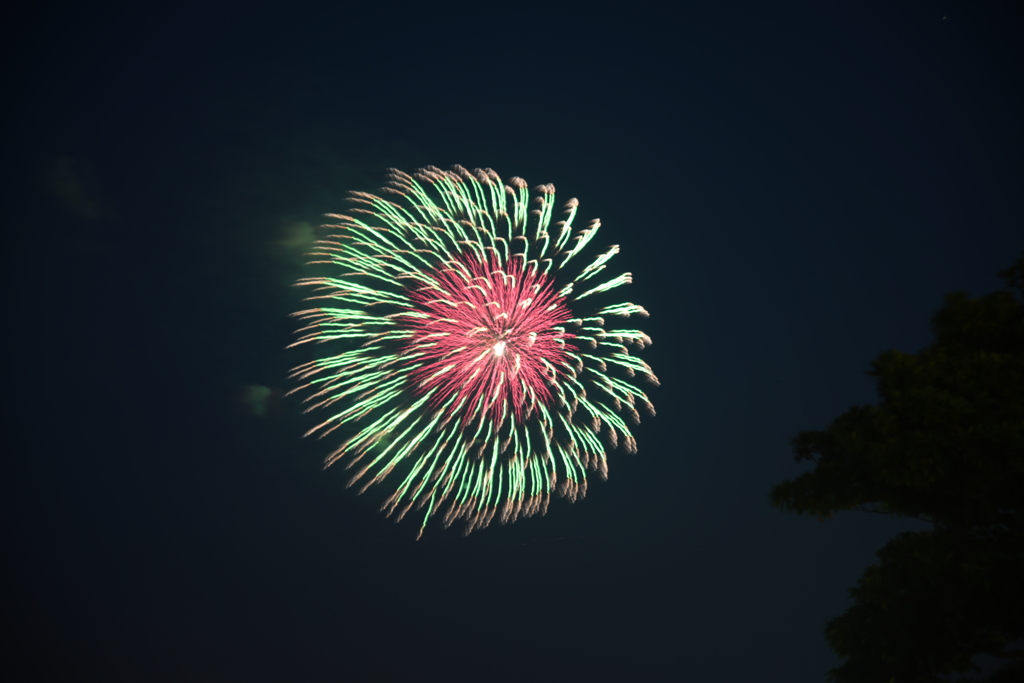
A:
<point x="473" y="371"/>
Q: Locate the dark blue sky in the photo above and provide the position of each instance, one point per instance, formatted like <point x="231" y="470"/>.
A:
<point x="794" y="189"/>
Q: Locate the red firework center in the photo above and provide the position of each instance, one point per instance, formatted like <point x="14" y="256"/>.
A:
<point x="485" y="334"/>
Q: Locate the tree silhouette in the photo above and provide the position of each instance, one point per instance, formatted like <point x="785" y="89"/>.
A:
<point x="945" y="444"/>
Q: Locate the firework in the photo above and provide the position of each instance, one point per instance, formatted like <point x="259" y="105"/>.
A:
<point x="472" y="369"/>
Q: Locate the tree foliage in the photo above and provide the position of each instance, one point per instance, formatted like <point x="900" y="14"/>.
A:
<point x="944" y="444"/>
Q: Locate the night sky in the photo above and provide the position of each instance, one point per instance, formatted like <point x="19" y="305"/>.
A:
<point x="794" y="189"/>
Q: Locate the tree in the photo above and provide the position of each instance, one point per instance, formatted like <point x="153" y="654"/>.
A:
<point x="944" y="444"/>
